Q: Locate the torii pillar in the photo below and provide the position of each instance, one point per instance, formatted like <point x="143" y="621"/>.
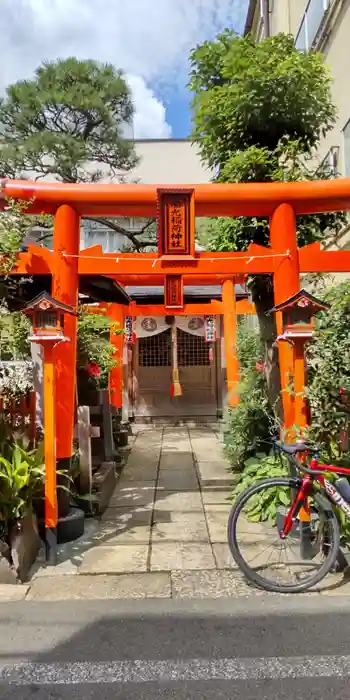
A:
<point x="116" y="314"/>
<point x="65" y="287"/>
<point x="230" y="340"/>
<point x="286" y="283"/>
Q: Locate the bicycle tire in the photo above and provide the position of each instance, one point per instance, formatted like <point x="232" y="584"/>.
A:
<point x="254" y="577"/>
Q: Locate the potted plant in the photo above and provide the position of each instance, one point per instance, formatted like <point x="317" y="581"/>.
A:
<point x="22" y="476"/>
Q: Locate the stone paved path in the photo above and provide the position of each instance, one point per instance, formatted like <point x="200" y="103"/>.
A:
<point x="164" y="533"/>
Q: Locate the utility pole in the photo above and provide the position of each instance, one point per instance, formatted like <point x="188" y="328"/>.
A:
<point x="264" y="4"/>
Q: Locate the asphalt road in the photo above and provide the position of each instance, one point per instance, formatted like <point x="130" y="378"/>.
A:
<point x="259" y="648"/>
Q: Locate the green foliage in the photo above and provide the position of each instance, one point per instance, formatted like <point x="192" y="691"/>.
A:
<point x="329" y="374"/>
<point x="14" y="333"/>
<point x="71" y="113"/>
<point x="263" y="506"/>
<point x="15" y="225"/>
<point x="22" y="476"/>
<point x="93" y="342"/>
<point x="260" y="109"/>
<point x="249" y="93"/>
<point x="250" y="423"/>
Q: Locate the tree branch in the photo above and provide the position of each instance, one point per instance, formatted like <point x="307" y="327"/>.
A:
<point x="132" y="237"/>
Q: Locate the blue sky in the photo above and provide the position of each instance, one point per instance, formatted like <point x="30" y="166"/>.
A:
<point x="149" y="39"/>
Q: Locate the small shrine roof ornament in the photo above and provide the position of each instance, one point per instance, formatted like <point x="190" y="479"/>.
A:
<point x="47" y="315"/>
<point x="302" y="299"/>
<point x="298" y="313"/>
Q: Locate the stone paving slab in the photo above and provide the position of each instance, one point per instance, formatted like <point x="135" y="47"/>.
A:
<point x="176" y="501"/>
<point x="210" y="584"/>
<point x="219" y="496"/>
<point x="212" y="474"/>
<point x="66" y="567"/>
<point x="335" y="584"/>
<point x="138" y="586"/>
<point x="179" y="527"/>
<point x="139" y="474"/>
<point x="172" y="461"/>
<point x="147" y="461"/>
<point x="125" y="525"/>
<point x="12" y="592"/>
<point x="206" y="455"/>
<point x="178" y="481"/>
<point x="130" y="496"/>
<point x="174" y="556"/>
<point x="179" y="445"/>
<point x="121" y="558"/>
<point x="223" y="556"/>
<point x="217" y="524"/>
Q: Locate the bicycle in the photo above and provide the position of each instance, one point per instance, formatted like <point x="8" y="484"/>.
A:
<point x="305" y="519"/>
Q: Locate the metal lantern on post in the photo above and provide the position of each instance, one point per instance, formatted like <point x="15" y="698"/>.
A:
<point x="47" y="317"/>
<point x="298" y="326"/>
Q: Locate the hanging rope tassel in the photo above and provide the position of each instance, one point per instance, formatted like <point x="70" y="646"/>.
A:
<point x="176" y="388"/>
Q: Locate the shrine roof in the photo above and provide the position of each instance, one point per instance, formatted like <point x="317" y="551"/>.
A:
<point x="94" y="288"/>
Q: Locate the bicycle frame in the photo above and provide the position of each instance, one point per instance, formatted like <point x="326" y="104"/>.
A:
<point x="304" y="492"/>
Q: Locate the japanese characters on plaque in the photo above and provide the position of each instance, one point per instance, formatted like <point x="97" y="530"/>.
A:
<point x="129" y="331"/>
<point x="209" y="329"/>
<point x="175" y="222"/>
<point x="173" y="297"/>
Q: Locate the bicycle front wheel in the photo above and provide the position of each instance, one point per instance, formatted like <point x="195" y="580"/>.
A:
<point x="290" y="565"/>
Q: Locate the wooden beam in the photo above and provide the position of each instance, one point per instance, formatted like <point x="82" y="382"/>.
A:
<point x="214" y="199"/>
<point x="208" y="268"/>
<point x="215" y="307"/>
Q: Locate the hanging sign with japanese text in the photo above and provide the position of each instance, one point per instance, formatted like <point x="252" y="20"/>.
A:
<point x="173" y="292"/>
<point x="175" y="223"/>
<point x="209" y="329"/>
<point x="129" y="330"/>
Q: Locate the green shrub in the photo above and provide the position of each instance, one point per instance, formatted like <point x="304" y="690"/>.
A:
<point x="328" y="359"/>
<point x="22" y="478"/>
<point x="251" y="423"/>
<point x="94" y="346"/>
<point x="263" y="506"/>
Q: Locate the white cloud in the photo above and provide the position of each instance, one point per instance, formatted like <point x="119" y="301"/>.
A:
<point x="149" y="39"/>
<point x="150" y="116"/>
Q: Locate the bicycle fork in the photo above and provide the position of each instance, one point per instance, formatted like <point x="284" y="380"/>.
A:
<point x="299" y="508"/>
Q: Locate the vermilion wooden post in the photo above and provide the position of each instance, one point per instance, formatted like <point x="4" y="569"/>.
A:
<point x="116" y="314"/>
<point x="230" y="338"/>
<point x="65" y="283"/>
<point x="286" y="283"/>
<point x="51" y="506"/>
<point x="300" y="410"/>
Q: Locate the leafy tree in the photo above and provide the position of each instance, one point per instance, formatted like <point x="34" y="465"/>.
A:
<point x="67" y="123"/>
<point x="328" y="387"/>
<point x="70" y="114"/>
<point x="260" y="110"/>
<point x="14" y="228"/>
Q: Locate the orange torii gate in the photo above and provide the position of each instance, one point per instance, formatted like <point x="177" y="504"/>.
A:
<point x="281" y="202"/>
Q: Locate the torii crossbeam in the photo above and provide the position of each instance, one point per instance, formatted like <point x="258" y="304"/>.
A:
<point x="280" y="202"/>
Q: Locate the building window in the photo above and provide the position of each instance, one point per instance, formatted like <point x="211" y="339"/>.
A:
<point x="331" y="161"/>
<point x="346" y="135"/>
<point x="311" y="22"/>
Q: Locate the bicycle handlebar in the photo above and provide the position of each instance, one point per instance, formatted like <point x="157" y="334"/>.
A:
<point x="292" y="459"/>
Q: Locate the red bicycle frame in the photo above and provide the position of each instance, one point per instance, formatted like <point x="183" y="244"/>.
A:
<point x="300" y="500"/>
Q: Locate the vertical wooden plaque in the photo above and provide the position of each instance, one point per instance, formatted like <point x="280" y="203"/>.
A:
<point x="176" y="223"/>
<point x="173" y="292"/>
